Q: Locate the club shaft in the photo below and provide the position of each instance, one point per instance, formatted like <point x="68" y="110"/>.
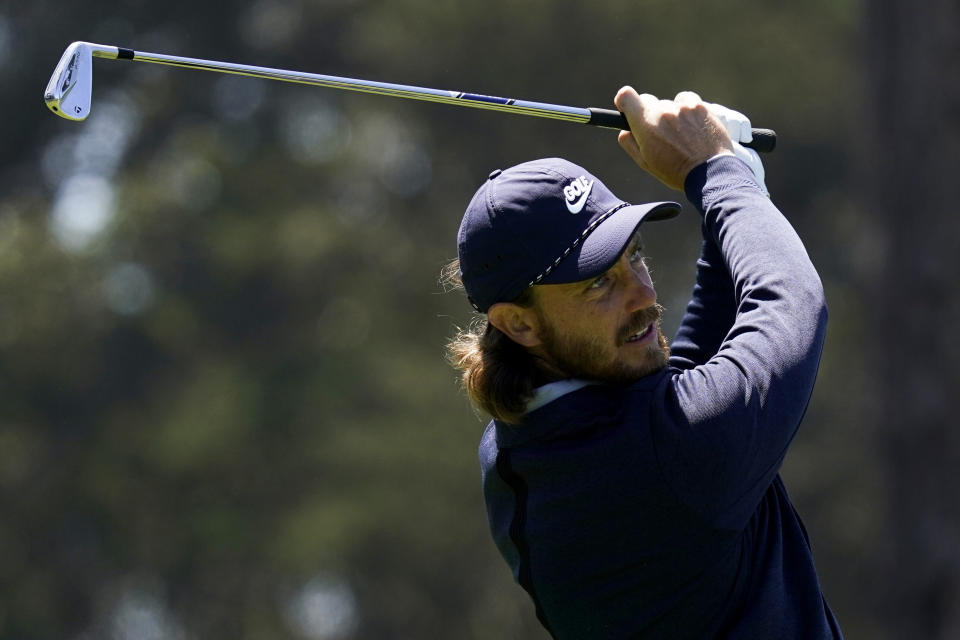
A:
<point x="572" y="114"/>
<point x="764" y="138"/>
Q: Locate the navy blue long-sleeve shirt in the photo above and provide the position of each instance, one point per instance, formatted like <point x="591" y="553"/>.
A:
<point x="655" y="510"/>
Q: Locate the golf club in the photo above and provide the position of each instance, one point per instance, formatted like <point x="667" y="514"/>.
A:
<point x="68" y="93"/>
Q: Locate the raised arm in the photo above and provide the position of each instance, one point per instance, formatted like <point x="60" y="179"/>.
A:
<point x="723" y="427"/>
<point x="673" y="136"/>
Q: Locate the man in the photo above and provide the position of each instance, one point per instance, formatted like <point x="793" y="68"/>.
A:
<point x="634" y="489"/>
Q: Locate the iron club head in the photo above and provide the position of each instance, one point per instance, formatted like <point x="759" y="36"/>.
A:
<point x="69" y="90"/>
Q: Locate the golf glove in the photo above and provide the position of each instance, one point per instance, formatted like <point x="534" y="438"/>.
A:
<point x="739" y="129"/>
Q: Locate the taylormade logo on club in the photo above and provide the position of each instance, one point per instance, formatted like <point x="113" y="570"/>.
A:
<point x="576" y="194"/>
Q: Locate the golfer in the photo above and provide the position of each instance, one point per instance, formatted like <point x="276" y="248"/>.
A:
<point x="633" y="487"/>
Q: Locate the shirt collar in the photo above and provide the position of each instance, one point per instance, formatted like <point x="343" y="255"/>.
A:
<point x="549" y="392"/>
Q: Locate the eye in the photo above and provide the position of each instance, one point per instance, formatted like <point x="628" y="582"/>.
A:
<point x="599" y="282"/>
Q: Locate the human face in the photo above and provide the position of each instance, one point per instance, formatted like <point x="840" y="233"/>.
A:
<point x="606" y="328"/>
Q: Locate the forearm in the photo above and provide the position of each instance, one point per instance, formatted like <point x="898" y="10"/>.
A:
<point x="710" y="312"/>
<point x="723" y="426"/>
<point x="728" y="422"/>
<point x="778" y="297"/>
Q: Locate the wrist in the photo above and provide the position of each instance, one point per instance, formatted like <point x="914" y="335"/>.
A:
<point x="725" y="152"/>
<point x="718" y="174"/>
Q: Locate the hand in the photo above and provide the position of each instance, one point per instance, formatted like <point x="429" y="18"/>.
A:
<point x="668" y="138"/>
<point x="739" y="128"/>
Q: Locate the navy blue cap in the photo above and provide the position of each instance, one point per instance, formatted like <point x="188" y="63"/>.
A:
<point x="546" y="221"/>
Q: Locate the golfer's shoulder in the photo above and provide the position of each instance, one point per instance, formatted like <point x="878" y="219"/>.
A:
<point x="650" y="394"/>
<point x="677" y="397"/>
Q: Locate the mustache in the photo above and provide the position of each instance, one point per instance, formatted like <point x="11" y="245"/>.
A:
<point x="640" y="320"/>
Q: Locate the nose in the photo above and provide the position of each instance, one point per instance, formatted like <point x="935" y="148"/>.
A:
<point x="640" y="293"/>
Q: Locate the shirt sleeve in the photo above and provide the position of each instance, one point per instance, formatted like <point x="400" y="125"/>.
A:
<point x="722" y="426"/>
<point x="710" y="312"/>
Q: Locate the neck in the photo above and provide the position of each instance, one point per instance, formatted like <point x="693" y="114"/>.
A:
<point x="546" y="370"/>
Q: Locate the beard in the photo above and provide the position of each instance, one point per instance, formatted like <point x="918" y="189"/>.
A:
<point x="591" y="357"/>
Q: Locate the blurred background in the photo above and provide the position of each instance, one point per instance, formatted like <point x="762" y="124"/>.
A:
<point x="224" y="408"/>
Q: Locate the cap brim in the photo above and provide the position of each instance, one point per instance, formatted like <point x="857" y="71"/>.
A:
<point x="603" y="246"/>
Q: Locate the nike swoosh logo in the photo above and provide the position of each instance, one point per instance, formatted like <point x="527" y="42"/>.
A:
<point x="577" y="205"/>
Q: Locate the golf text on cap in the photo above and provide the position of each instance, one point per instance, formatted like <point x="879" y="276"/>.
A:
<point x="576" y="194"/>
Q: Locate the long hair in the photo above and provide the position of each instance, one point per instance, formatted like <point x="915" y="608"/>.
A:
<point x="498" y="374"/>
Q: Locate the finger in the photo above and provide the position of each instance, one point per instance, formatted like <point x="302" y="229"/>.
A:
<point x="727" y="118"/>
<point x="737" y="124"/>
<point x="687" y="98"/>
<point x="745" y="134"/>
<point x="632" y="103"/>
<point x="625" y="95"/>
<point x="629" y="144"/>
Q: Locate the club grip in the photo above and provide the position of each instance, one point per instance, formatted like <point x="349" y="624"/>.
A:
<point x="764" y="140"/>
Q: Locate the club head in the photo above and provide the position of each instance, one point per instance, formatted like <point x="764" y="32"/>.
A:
<point x="69" y="89"/>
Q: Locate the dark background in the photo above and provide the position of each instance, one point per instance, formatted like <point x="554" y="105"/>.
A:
<point x="224" y="410"/>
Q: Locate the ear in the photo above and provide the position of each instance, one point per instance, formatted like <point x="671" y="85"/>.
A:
<point x="518" y="323"/>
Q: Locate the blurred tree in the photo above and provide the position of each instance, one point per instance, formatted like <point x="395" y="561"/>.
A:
<point x="912" y="162"/>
